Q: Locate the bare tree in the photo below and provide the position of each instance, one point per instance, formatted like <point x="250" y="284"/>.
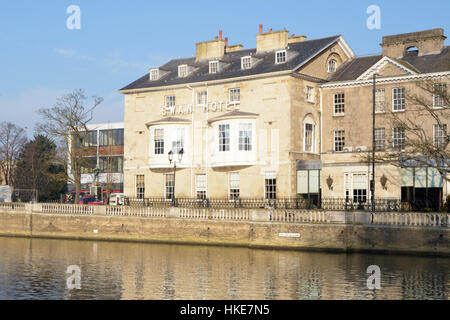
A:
<point x="12" y="140"/>
<point x="66" y="122"/>
<point x="423" y="128"/>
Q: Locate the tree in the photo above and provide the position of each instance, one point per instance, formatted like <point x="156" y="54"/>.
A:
<point x="66" y="122"/>
<point x="423" y="147"/>
<point x="12" y="139"/>
<point x="37" y="169"/>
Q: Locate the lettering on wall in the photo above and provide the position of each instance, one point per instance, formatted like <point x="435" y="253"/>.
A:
<point x="209" y="107"/>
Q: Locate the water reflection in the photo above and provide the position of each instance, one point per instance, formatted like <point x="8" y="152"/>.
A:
<point x="36" y="269"/>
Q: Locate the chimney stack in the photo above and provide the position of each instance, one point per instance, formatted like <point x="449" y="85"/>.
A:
<point x="260" y="29"/>
<point x="220" y="34"/>
<point x="226" y="42"/>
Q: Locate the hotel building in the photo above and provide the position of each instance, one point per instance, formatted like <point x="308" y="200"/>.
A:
<point x="248" y="120"/>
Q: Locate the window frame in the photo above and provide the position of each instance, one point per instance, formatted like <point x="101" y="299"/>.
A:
<point x="243" y="144"/>
<point x="305" y="137"/>
<point x="168" y="100"/>
<point x="169" y="179"/>
<point x="139" y="188"/>
<point x="224" y="137"/>
<point x="232" y="189"/>
<point x="395" y="98"/>
<point x="205" y="93"/>
<point x="440" y="129"/>
<point x="231" y="92"/>
<point x="158" y="143"/>
<point x="339" y="102"/>
<point x="154" y="74"/>
<point x="336" y="142"/>
<point x="279" y="54"/>
<point x="383" y="147"/>
<point x="246" y="65"/>
<point x="270" y="186"/>
<point x="310" y="94"/>
<point x="211" y="69"/>
<point x="437" y="97"/>
<point x="202" y="188"/>
<point x="394" y="138"/>
<point x="180" y="68"/>
<point x="334" y="62"/>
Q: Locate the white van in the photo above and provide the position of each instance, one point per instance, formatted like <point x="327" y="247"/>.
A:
<point x="116" y="199"/>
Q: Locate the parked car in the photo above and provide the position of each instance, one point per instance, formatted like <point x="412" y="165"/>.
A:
<point x="90" y="200"/>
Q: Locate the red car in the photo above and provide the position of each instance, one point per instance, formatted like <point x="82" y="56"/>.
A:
<point x="91" y="200"/>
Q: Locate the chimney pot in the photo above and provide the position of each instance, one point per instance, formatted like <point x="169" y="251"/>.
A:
<point x="226" y="42"/>
<point x="220" y="34"/>
<point x="270" y="30"/>
<point x="216" y="37"/>
<point x="260" y="28"/>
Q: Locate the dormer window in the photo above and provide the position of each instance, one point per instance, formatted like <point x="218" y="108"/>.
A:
<point x="213" y="66"/>
<point x="332" y="66"/>
<point x="182" y="71"/>
<point x="246" y="62"/>
<point x="280" y="56"/>
<point x="154" y="74"/>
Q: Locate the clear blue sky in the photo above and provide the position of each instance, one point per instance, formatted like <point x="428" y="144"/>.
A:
<point x="119" y="41"/>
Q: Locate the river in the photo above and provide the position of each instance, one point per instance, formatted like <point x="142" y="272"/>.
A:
<point x="37" y="269"/>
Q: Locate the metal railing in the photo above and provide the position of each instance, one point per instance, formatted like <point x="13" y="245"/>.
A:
<point x="213" y="203"/>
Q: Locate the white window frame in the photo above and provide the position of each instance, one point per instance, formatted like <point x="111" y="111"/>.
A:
<point x="182" y="70"/>
<point x="377" y="138"/>
<point x="437" y="139"/>
<point x="394" y="139"/>
<point x="178" y="140"/>
<point x="169" y="102"/>
<point x="242" y="145"/>
<point x="246" y="62"/>
<point x="270" y="176"/>
<point x="349" y="180"/>
<point x="205" y="93"/>
<point x="166" y="193"/>
<point x="201" y="186"/>
<point x="225" y="147"/>
<point x="231" y="186"/>
<point x="214" y="69"/>
<point x="280" y="54"/>
<point x="332" y="66"/>
<point x="158" y="144"/>
<point x="341" y="102"/>
<point x="437" y="98"/>
<point x="401" y="99"/>
<point x="334" y="140"/>
<point x="154" y="74"/>
<point x="310" y="94"/>
<point x="232" y="93"/>
<point x="139" y="192"/>
<point x="313" y="144"/>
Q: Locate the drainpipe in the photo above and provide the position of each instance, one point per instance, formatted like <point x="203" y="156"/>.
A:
<point x="192" y="135"/>
<point x="207" y="155"/>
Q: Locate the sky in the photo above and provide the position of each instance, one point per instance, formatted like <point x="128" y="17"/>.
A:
<point x="118" y="41"/>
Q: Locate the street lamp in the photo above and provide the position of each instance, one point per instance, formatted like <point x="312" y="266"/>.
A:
<point x="372" y="181"/>
<point x="180" y="157"/>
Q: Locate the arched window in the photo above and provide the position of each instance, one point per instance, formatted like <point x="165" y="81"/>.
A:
<point x="309" y="139"/>
<point x="332" y="66"/>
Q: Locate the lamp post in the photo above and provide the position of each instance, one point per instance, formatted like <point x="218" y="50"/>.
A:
<point x="180" y="157"/>
<point x="372" y="181"/>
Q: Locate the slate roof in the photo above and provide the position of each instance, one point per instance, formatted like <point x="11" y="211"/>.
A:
<point x="297" y="54"/>
<point x="353" y="68"/>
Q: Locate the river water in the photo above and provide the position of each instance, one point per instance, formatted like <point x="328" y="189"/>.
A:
<point x="37" y="269"/>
